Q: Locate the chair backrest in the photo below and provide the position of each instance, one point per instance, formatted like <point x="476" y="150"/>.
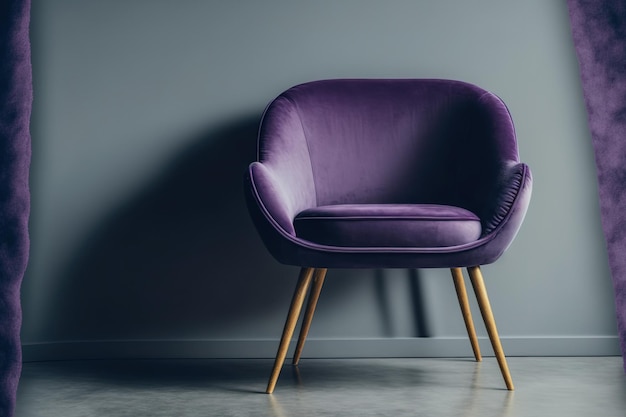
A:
<point x="388" y="141"/>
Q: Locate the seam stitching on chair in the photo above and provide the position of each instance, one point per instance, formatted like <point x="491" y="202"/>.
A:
<point x="258" y="133"/>
<point x="388" y="218"/>
<point x="306" y="140"/>
<point x="490" y="94"/>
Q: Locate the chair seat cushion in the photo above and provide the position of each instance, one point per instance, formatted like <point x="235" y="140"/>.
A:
<point x="388" y="225"/>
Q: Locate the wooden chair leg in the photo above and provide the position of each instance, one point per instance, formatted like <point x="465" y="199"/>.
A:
<point x="476" y="278"/>
<point x="461" y="293"/>
<point x="318" y="281"/>
<point x="292" y="318"/>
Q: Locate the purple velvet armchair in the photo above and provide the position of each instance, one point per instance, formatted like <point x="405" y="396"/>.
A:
<point x="387" y="174"/>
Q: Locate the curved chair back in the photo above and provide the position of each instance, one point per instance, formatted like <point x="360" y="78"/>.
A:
<point x="389" y="141"/>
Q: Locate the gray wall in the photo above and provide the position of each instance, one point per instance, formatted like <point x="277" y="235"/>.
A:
<point x="144" y="119"/>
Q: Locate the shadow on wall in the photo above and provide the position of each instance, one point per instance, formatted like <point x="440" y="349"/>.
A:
<point x="183" y="260"/>
<point x="181" y="257"/>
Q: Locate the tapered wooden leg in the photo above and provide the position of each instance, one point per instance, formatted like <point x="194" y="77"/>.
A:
<point x="476" y="278"/>
<point x="292" y="318"/>
<point x="318" y="281"/>
<point x="461" y="293"/>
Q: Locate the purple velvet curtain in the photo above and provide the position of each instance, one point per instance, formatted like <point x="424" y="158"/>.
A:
<point x="599" y="31"/>
<point x="15" y="107"/>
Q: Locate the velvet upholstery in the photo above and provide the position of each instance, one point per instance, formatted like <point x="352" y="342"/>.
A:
<point x="388" y="225"/>
<point x="387" y="143"/>
<point x="599" y="32"/>
<point x="15" y="107"/>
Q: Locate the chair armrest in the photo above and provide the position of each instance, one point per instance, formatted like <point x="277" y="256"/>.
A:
<point x="280" y="197"/>
<point x="512" y="193"/>
<point x="271" y="197"/>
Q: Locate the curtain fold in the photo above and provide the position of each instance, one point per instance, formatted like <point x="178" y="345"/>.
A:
<point x="599" y="33"/>
<point x="15" y="152"/>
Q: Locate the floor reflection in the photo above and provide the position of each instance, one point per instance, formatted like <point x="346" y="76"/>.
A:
<point x="572" y="387"/>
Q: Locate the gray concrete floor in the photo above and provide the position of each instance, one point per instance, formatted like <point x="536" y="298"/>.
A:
<point x="591" y="386"/>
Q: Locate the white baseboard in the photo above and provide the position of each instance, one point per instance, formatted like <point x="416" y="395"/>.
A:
<point x="318" y="348"/>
